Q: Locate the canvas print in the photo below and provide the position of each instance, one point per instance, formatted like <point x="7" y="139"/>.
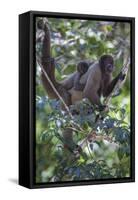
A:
<point x="83" y="100"/>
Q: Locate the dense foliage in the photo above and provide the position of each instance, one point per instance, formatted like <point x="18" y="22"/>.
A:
<point x="106" y="143"/>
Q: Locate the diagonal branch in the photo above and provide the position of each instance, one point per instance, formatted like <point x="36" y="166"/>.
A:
<point x="120" y="82"/>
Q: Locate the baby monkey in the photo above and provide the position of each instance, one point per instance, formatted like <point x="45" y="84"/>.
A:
<point x="82" y="68"/>
<point x="73" y="80"/>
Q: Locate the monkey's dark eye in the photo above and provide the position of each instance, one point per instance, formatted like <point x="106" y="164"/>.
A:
<point x="109" y="67"/>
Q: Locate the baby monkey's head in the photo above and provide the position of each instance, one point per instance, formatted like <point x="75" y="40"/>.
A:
<point x="82" y="67"/>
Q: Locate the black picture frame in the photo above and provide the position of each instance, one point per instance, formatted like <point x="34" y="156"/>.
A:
<point x="27" y="98"/>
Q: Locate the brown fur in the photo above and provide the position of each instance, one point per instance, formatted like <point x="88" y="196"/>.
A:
<point x="98" y="81"/>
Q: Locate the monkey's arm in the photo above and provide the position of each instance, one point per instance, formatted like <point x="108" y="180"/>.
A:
<point x="108" y="90"/>
<point x="77" y="85"/>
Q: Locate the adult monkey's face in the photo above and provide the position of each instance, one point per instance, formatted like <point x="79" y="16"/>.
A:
<point x="106" y="64"/>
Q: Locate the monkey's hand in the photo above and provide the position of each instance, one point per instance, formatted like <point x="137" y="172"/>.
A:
<point x="121" y="76"/>
<point x="102" y="107"/>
